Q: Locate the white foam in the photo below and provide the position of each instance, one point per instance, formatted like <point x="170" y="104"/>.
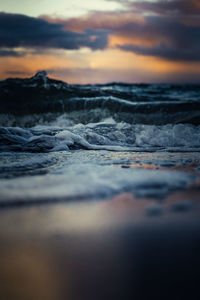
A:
<point x="108" y="134"/>
<point x="168" y="136"/>
<point x="75" y="181"/>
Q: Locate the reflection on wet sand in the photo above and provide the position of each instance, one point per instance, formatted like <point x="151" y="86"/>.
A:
<point x="99" y="250"/>
<point x="123" y="247"/>
<point x="27" y="272"/>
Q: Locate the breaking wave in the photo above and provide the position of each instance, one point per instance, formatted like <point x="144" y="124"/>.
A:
<point x="63" y="134"/>
<point x="40" y="114"/>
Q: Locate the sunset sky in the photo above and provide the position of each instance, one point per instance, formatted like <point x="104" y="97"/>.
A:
<point x="97" y="41"/>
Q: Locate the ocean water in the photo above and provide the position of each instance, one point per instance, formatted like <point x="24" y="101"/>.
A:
<point x="99" y="191"/>
<point x="88" y="142"/>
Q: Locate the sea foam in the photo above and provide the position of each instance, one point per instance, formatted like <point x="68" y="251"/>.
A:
<point x="107" y="135"/>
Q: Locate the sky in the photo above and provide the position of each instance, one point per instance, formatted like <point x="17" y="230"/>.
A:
<point x="97" y="41"/>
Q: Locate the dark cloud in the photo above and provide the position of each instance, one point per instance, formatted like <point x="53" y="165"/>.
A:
<point x="171" y="40"/>
<point x="177" y="7"/>
<point x="163" y="51"/>
<point x="172" y="28"/>
<point x="169" y="29"/>
<point x="184" y="7"/>
<point x="162" y="28"/>
<point x="23" y="31"/>
<point x="4" y="53"/>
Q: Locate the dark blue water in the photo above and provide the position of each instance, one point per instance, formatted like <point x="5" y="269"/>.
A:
<point x="49" y="128"/>
<point x="120" y="166"/>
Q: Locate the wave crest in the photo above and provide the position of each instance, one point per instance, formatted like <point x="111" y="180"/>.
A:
<point x="108" y="134"/>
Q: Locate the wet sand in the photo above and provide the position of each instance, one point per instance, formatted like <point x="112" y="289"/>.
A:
<point x="123" y="247"/>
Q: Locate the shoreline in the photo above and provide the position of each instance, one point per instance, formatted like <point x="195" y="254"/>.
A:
<point x="119" y="247"/>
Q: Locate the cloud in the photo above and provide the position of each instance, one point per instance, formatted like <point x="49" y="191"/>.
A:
<point x="171" y="39"/>
<point x="166" y="29"/>
<point x="185" y="7"/>
<point x="13" y="53"/>
<point x="176" y="7"/>
<point x="163" y="51"/>
<point x="28" y="32"/>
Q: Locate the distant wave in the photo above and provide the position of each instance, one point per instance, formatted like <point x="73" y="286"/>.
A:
<point x="157" y="104"/>
<point x="44" y="123"/>
<point x="40" y="114"/>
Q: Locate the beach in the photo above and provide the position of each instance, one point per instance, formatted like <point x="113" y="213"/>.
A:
<point x="99" y="150"/>
<point x="100" y="190"/>
<point x="120" y="247"/>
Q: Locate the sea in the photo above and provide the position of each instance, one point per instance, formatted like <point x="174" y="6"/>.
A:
<point x="86" y="149"/>
<point x="118" y="161"/>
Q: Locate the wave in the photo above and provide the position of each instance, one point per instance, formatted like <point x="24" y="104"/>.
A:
<point x="85" y="112"/>
<point x="61" y="134"/>
<point x="40" y="96"/>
